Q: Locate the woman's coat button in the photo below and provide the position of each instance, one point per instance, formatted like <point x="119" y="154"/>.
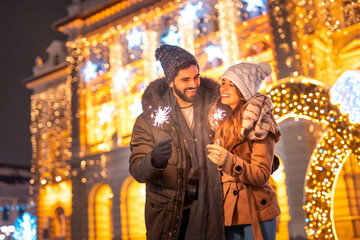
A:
<point x="263" y="202"/>
<point x="238" y="168"/>
<point x="236" y="192"/>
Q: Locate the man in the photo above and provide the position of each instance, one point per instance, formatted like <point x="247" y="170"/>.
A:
<point x="183" y="189"/>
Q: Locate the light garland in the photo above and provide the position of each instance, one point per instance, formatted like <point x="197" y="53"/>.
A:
<point x="308" y="99"/>
<point x="51" y="134"/>
<point x="186" y="27"/>
<point x="17" y="207"/>
<point x="150" y="45"/>
<point x="98" y="162"/>
<point x="227" y="24"/>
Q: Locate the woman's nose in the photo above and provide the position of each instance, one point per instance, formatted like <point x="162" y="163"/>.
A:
<point x="223" y="88"/>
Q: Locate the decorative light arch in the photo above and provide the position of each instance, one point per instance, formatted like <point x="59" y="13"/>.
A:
<point x="309" y="99"/>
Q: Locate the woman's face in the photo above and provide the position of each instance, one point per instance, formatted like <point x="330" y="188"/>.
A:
<point x="229" y="96"/>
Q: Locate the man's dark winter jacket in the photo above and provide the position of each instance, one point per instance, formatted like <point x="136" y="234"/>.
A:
<point x="165" y="188"/>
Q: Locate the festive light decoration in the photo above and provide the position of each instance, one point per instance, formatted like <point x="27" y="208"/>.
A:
<point x="189" y="13"/>
<point x="309" y="99"/>
<point x="51" y="133"/>
<point x="227" y="24"/>
<point x="105" y="114"/>
<point x="346" y="93"/>
<point x="213" y="52"/>
<point x="150" y="67"/>
<point x="161" y="116"/>
<point x="121" y="79"/>
<point x="17" y="207"/>
<point x="218" y="116"/>
<point x="253" y="4"/>
<point x="172" y="38"/>
<point x="136" y="108"/>
<point x="134" y="38"/>
<point x="186" y="26"/>
<point x="25" y="227"/>
<point x="90" y="71"/>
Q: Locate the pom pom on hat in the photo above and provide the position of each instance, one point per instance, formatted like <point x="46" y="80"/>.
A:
<point x="171" y="58"/>
<point x="248" y="77"/>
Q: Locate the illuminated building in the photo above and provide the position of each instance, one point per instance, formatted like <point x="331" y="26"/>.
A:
<point x="83" y="109"/>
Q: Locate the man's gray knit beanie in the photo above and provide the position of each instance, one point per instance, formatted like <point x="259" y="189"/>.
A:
<point x="171" y="58"/>
<point x="248" y="77"/>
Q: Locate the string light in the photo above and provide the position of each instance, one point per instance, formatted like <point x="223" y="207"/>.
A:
<point x="227" y="24"/>
<point x="51" y="133"/>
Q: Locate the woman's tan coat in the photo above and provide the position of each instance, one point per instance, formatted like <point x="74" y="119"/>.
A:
<point x="249" y="168"/>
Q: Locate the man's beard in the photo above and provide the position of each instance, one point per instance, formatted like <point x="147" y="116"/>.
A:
<point x="183" y="96"/>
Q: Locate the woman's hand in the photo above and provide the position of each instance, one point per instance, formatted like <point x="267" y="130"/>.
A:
<point x="218" y="154"/>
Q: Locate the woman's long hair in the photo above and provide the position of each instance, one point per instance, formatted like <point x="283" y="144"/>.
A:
<point x="227" y="130"/>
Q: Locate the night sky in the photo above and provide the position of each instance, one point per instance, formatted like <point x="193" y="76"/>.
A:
<point x="25" y="32"/>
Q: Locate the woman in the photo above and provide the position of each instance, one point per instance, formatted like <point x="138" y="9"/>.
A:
<point x="244" y="151"/>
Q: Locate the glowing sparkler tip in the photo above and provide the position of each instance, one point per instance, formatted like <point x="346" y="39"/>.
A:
<point x="218" y="115"/>
<point x="161" y="116"/>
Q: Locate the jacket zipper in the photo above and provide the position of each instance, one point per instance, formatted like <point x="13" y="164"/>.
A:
<point x="177" y="192"/>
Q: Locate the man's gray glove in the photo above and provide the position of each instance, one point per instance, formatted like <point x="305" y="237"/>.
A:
<point x="161" y="153"/>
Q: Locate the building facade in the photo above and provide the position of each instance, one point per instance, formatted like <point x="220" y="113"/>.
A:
<point x="86" y="98"/>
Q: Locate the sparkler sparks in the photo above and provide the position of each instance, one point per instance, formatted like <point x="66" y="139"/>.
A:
<point x="160" y="116"/>
<point x="218" y="116"/>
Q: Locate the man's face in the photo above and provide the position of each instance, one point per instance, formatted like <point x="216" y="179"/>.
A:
<point x="185" y="84"/>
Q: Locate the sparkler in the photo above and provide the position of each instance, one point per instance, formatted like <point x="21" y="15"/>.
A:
<point x="161" y="116"/>
<point x="218" y="116"/>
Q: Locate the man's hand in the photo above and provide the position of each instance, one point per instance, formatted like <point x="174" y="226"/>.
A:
<point x="218" y="154"/>
<point x="161" y="153"/>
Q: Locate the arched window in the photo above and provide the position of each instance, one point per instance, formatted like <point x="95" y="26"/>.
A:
<point x="132" y="210"/>
<point x="100" y="212"/>
<point x="59" y="224"/>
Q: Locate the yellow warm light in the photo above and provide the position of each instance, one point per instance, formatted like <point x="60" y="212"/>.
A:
<point x="100" y="213"/>
<point x="60" y="192"/>
<point x="132" y="210"/>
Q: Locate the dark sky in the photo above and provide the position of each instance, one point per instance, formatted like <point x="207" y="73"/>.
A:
<point x="25" y="32"/>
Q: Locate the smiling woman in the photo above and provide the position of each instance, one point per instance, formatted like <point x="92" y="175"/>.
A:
<point x="243" y="151"/>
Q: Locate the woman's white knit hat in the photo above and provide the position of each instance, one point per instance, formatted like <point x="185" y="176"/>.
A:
<point x="248" y="77"/>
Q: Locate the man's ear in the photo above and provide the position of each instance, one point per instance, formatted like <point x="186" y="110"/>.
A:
<point x="171" y="84"/>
